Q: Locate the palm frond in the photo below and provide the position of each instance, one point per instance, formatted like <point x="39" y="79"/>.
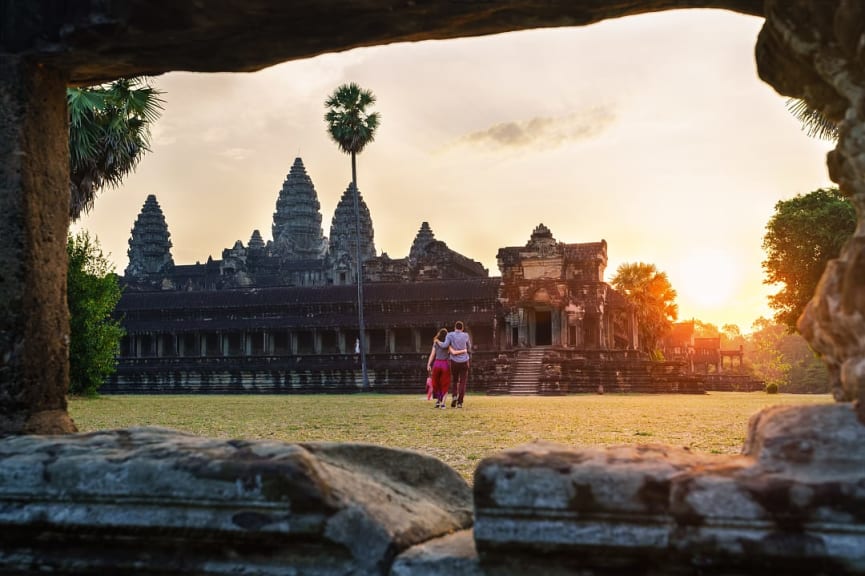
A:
<point x="813" y="122"/>
<point x="348" y="122"/>
<point x="108" y="133"/>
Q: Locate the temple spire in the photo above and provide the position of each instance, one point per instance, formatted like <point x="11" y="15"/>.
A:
<point x="149" y="244"/>
<point x="342" y="235"/>
<point x="297" y="232"/>
<point x="421" y="240"/>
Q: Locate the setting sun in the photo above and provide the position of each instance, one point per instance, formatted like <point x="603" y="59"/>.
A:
<point x="706" y="278"/>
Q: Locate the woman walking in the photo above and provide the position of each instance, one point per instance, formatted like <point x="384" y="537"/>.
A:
<point x="438" y="368"/>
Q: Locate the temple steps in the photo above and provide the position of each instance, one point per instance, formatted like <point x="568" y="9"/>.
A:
<point x="525" y="374"/>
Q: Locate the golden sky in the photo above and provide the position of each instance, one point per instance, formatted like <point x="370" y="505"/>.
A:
<point x="652" y="132"/>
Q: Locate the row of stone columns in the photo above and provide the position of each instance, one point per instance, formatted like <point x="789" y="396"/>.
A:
<point x="200" y="344"/>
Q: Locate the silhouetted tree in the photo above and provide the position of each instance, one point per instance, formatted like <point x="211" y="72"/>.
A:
<point x="801" y="237"/>
<point x="352" y="128"/>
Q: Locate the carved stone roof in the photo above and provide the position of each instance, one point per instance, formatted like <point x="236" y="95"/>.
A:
<point x="541" y="232"/>
<point x="596" y="251"/>
<point x="256" y="242"/>
<point x="444" y="290"/>
<point x="438" y="303"/>
<point x="297" y="232"/>
<point x="432" y="259"/>
<point x="149" y="244"/>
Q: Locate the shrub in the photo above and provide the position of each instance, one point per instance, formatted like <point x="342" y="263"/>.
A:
<point x="92" y="292"/>
<point x="771" y="388"/>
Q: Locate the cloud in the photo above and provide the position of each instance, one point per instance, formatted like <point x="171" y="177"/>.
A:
<point x="543" y="132"/>
<point x="236" y="153"/>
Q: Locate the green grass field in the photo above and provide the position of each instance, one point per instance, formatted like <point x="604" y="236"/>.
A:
<point x="711" y="423"/>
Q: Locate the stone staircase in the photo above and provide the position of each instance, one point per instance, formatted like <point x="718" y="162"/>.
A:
<point x="525" y="373"/>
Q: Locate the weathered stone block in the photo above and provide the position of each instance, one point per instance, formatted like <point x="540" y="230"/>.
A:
<point x="794" y="501"/>
<point x="446" y="556"/>
<point x="163" y="501"/>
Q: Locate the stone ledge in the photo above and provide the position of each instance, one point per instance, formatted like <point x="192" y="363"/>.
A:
<point x="783" y="504"/>
<point x="155" y="499"/>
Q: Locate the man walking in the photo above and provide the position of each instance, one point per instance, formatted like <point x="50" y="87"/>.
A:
<point x="459" y="345"/>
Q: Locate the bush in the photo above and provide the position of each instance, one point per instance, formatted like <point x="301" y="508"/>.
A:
<point x="771" y="388"/>
<point x="92" y="292"/>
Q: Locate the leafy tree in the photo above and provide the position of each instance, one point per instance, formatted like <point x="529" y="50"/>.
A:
<point x="352" y="128"/>
<point x="765" y="358"/>
<point x="808" y="374"/>
<point x="705" y="329"/>
<point x="731" y="337"/>
<point x="92" y="293"/>
<point x="786" y="360"/>
<point x="654" y="298"/>
<point x="108" y="134"/>
<point x="801" y="237"/>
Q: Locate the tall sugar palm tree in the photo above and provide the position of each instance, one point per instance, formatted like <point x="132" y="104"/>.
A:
<point x="109" y="131"/>
<point x="352" y="128"/>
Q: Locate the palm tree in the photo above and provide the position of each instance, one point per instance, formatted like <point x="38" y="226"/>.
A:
<point x="352" y="128"/>
<point x="108" y="134"/>
<point x="653" y="297"/>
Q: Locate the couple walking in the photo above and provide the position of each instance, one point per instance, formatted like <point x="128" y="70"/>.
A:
<point x="449" y="360"/>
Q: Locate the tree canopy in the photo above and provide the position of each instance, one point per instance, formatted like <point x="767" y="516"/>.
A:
<point x="654" y="298"/>
<point x="803" y="234"/>
<point x="349" y="123"/>
<point x="109" y="131"/>
<point x="92" y="292"/>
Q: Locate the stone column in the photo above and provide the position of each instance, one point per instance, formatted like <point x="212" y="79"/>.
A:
<point x="556" y="327"/>
<point x="34" y="219"/>
<point x="415" y="338"/>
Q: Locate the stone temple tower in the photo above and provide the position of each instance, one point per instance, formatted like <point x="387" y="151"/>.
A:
<point x="149" y="245"/>
<point x="297" y="233"/>
<point x="342" y="236"/>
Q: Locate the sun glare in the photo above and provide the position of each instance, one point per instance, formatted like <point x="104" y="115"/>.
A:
<point x="707" y="278"/>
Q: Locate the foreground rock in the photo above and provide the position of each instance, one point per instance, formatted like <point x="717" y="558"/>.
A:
<point x="156" y="501"/>
<point x="795" y="501"/>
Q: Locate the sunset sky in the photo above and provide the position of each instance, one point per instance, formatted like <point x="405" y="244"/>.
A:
<point x="651" y="132"/>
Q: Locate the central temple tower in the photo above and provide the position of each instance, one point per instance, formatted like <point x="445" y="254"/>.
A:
<point x="297" y="233"/>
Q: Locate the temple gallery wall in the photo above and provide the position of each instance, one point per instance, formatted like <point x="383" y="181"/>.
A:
<point x="159" y="502"/>
<point x="281" y="316"/>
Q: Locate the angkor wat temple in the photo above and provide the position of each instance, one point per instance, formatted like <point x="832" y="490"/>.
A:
<point x="281" y="316"/>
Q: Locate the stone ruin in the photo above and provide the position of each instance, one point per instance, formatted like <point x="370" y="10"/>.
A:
<point x="161" y="502"/>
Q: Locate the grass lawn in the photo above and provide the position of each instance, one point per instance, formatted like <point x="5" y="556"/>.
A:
<point x="712" y="423"/>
